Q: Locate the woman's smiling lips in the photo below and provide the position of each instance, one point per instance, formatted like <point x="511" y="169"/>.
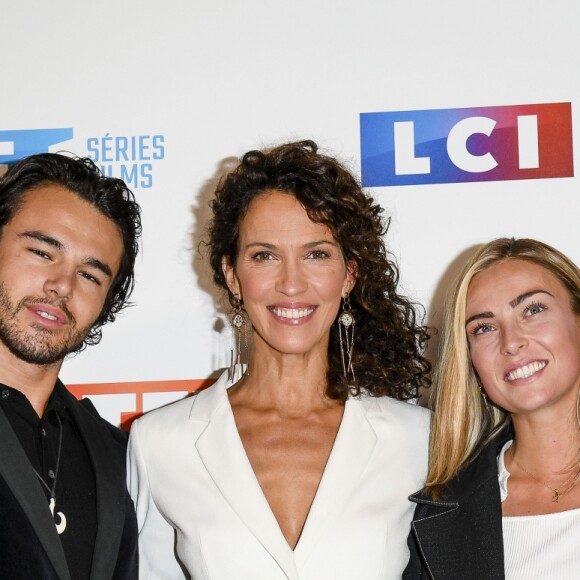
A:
<point x="525" y="370"/>
<point x="294" y="314"/>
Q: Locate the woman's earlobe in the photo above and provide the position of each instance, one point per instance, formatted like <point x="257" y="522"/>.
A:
<point x="351" y="275"/>
<point x="230" y="276"/>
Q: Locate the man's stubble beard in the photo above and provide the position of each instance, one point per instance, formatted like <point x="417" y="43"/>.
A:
<point x="36" y="344"/>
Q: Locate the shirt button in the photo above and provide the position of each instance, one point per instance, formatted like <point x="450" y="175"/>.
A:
<point x="5" y="393"/>
<point x="43" y="432"/>
<point x="51" y="474"/>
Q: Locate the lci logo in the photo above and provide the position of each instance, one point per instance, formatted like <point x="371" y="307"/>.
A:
<point x="461" y="145"/>
<point x="17" y="144"/>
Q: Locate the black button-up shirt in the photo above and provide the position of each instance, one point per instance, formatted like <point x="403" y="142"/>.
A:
<point x="75" y="479"/>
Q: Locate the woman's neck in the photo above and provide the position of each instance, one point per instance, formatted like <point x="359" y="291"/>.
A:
<point x="292" y="382"/>
<point x="547" y="444"/>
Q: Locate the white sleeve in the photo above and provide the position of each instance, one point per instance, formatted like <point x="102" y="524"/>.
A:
<point x="157" y="559"/>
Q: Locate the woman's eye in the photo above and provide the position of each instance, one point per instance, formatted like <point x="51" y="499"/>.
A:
<point x="482" y="328"/>
<point x="534" y="308"/>
<point x="318" y="254"/>
<point x="262" y="256"/>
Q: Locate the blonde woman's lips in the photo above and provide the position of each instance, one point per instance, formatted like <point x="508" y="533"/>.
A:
<point x="525" y="371"/>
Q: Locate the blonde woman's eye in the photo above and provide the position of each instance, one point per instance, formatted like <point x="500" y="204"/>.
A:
<point x="535" y="308"/>
<point x="482" y="328"/>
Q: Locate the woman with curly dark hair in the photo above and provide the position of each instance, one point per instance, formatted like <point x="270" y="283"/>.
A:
<point x="298" y="463"/>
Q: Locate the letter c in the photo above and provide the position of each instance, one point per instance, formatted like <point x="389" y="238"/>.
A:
<point x="457" y="145"/>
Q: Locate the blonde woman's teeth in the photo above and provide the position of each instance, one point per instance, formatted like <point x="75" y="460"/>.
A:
<point x="525" y="371"/>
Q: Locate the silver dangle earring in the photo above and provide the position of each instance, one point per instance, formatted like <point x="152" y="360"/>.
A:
<point x="346" y="328"/>
<point x="239" y="325"/>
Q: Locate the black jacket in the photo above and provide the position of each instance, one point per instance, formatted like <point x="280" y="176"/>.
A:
<point x="460" y="536"/>
<point x="29" y="544"/>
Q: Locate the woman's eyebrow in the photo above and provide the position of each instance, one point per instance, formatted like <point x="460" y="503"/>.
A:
<point x="527" y="295"/>
<point x="478" y="316"/>
<point x="515" y="302"/>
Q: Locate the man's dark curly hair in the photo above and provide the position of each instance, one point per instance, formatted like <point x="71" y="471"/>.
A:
<point x="389" y="341"/>
<point x="108" y="195"/>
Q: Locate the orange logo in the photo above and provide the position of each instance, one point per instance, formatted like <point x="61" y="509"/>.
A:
<point x="122" y="403"/>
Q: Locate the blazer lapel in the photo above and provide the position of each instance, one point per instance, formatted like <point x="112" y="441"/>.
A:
<point x="351" y="453"/>
<point x="109" y="483"/>
<point x="223" y="454"/>
<point x="20" y="477"/>
<point x="430" y="531"/>
<point x="471" y="514"/>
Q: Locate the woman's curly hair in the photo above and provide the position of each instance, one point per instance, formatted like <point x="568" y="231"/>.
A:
<point x="389" y="342"/>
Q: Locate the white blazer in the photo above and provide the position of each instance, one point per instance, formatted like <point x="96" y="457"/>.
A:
<point x="197" y="497"/>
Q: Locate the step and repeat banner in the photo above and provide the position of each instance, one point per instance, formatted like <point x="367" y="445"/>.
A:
<point x="460" y="118"/>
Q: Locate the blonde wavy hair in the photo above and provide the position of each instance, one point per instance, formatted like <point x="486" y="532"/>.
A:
<point x="463" y="422"/>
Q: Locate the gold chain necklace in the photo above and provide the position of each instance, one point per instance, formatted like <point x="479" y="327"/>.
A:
<point x="557" y="492"/>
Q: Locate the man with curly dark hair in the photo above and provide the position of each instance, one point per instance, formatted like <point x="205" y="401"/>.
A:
<point x="68" y="243"/>
<point x="297" y="464"/>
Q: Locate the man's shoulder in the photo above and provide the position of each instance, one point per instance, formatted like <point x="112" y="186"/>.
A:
<point x="85" y="411"/>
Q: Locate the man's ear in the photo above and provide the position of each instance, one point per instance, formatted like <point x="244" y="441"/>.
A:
<point x="230" y="276"/>
<point x="351" y="276"/>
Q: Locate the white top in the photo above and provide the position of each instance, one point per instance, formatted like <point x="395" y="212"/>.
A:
<point x="196" y="495"/>
<point x="542" y="547"/>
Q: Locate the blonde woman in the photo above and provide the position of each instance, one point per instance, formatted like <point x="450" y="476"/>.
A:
<point x="502" y="498"/>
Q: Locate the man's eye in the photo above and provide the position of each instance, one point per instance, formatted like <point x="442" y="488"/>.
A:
<point x="40" y="253"/>
<point x="90" y="278"/>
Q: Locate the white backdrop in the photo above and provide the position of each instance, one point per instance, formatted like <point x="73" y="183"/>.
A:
<point x="165" y="94"/>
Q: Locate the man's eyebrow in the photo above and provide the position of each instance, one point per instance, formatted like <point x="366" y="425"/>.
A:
<point x="58" y="245"/>
<point x="101" y="266"/>
<point x="40" y="237"/>
<point x="527" y="295"/>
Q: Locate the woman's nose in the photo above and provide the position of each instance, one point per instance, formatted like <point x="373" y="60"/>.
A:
<point x="291" y="280"/>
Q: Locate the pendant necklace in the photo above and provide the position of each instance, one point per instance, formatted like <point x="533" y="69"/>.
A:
<point x="557" y="492"/>
<point x="61" y="525"/>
